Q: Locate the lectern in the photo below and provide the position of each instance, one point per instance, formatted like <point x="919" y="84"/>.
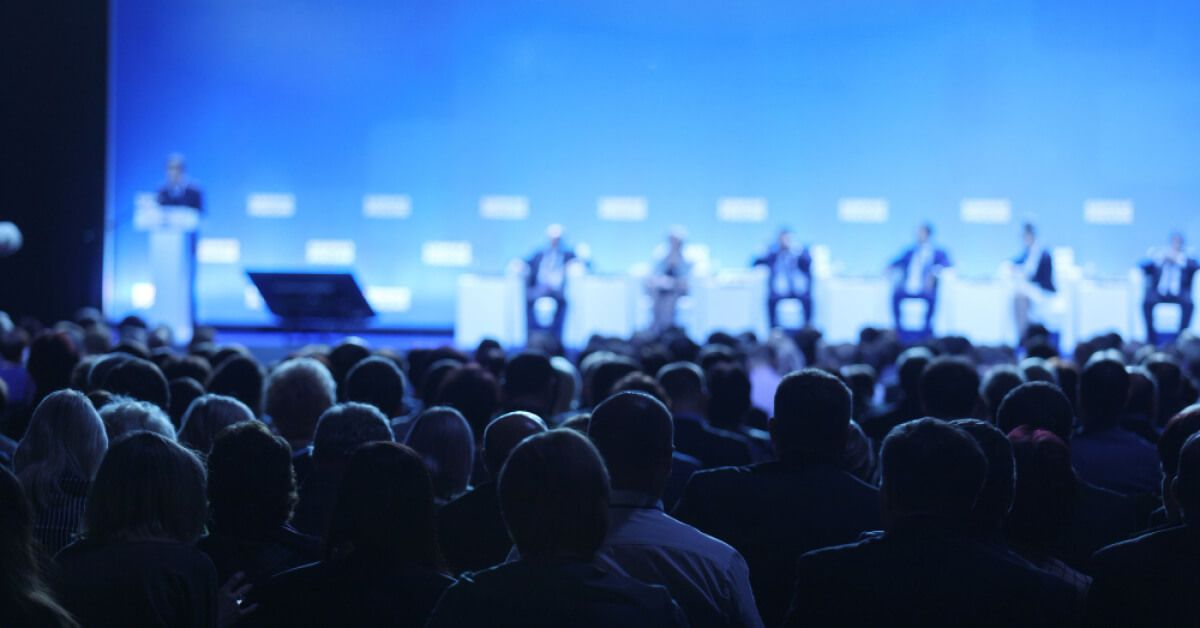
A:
<point x="172" y="233"/>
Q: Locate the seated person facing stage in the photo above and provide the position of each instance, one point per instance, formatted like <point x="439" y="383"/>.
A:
<point x="916" y="273"/>
<point x="554" y="495"/>
<point x="931" y="566"/>
<point x="1169" y="273"/>
<point x="790" y="276"/>
<point x="547" y="277"/>
<point x="668" y="281"/>
<point x="1035" y="273"/>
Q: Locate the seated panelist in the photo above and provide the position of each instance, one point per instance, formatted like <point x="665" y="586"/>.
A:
<point x="789" y="275"/>
<point x="916" y="272"/>
<point x="1169" y="272"/>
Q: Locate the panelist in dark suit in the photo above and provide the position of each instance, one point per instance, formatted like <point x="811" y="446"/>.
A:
<point x="1169" y="274"/>
<point x="179" y="191"/>
<point x="548" y="278"/>
<point x="1035" y="278"/>
<point x="789" y="276"/>
<point x="916" y="273"/>
<point x="775" y="511"/>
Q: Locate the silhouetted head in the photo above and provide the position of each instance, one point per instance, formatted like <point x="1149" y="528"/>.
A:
<point x="473" y="391"/>
<point x="949" y="388"/>
<point x="1103" y="392"/>
<point x="343" y="428"/>
<point x="244" y="505"/>
<point x="996" y="384"/>
<point x="385" y="508"/>
<point x="554" y="496"/>
<point x="1045" y="490"/>
<point x="445" y="442"/>
<point x="634" y="433"/>
<point x="529" y="384"/>
<point x="1186" y="485"/>
<point x="996" y="497"/>
<point x="139" y="379"/>
<point x="812" y="413"/>
<point x="504" y="433"/>
<point x="930" y="467"/>
<point x="685" y="384"/>
<point x="206" y="417"/>
<point x="1040" y="406"/>
<point x="65" y="438"/>
<point x="239" y="377"/>
<point x="298" y="392"/>
<point x="376" y="381"/>
<point x="147" y="488"/>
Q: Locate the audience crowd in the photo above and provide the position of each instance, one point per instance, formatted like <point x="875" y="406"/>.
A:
<point x="649" y="481"/>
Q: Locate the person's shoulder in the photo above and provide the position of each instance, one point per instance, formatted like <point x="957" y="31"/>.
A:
<point x="868" y="544"/>
<point x="1129" y="550"/>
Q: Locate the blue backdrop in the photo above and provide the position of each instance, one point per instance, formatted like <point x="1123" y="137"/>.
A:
<point x="923" y="104"/>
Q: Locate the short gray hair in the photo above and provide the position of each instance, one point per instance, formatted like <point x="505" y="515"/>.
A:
<point x="298" y="392"/>
<point x="126" y="416"/>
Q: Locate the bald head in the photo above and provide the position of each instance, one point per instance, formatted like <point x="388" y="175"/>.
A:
<point x="504" y="433"/>
<point x="635" y="436"/>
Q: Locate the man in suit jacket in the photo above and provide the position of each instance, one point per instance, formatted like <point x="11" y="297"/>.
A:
<point x="916" y="271"/>
<point x="1035" y="268"/>
<point x="548" y="278"/>
<point x="1152" y="580"/>
<point x="179" y="190"/>
<point x="684" y="383"/>
<point x="775" y="511"/>
<point x="789" y="276"/>
<point x="930" y="567"/>
<point x="1169" y="273"/>
<point x="470" y="527"/>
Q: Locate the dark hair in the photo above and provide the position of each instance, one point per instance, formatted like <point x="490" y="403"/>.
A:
<point x="553" y="492"/>
<point x="343" y="357"/>
<point x="599" y="380"/>
<point x="1170" y="385"/>
<point x="239" y="377"/>
<point x="812" y="414"/>
<point x="345" y="426"/>
<point x="139" y="379"/>
<point x="930" y="466"/>
<point x="996" y="497"/>
<point x="683" y="381"/>
<point x="52" y="357"/>
<point x="504" y="433"/>
<point x="1039" y="405"/>
<point x="206" y="417"/>
<point x="444" y="440"/>
<point x="147" y="488"/>
<point x="385" y="508"/>
<point x="376" y="381"/>
<point x="473" y="391"/>
<point x="949" y="388"/>
<point x="1103" y="392"/>
<point x="192" y="366"/>
<point x="1179" y="428"/>
<point x="529" y="377"/>
<point x="251" y="484"/>
<point x="184" y="391"/>
<point x="1187" y="479"/>
<point x="23" y="596"/>
<point x="634" y="433"/>
<point x="996" y="384"/>
<point x="1143" y="393"/>
<point x="641" y="382"/>
<point x="1045" y="490"/>
<point x="729" y="395"/>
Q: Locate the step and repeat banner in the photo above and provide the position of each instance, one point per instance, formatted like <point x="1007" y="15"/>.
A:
<point x="411" y="142"/>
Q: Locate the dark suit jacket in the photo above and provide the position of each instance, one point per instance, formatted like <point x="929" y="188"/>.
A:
<point x="1043" y="276"/>
<point x="318" y="498"/>
<point x="1154" y="271"/>
<point x="362" y="589"/>
<point x="535" y="262"/>
<point x="926" y="572"/>
<point x="940" y="258"/>
<point x="774" y="512"/>
<point x="713" y="447"/>
<point x="188" y="196"/>
<point x="556" y="593"/>
<point x="1100" y="517"/>
<point x="471" y="530"/>
<point x="1151" y="580"/>
<point x="803" y="264"/>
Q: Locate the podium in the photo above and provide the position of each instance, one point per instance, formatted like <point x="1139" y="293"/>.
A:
<point x="172" y="233"/>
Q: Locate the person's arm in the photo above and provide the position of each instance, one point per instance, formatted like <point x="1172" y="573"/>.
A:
<point x="743" y="610"/>
<point x="762" y="260"/>
<point x="804" y="262"/>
